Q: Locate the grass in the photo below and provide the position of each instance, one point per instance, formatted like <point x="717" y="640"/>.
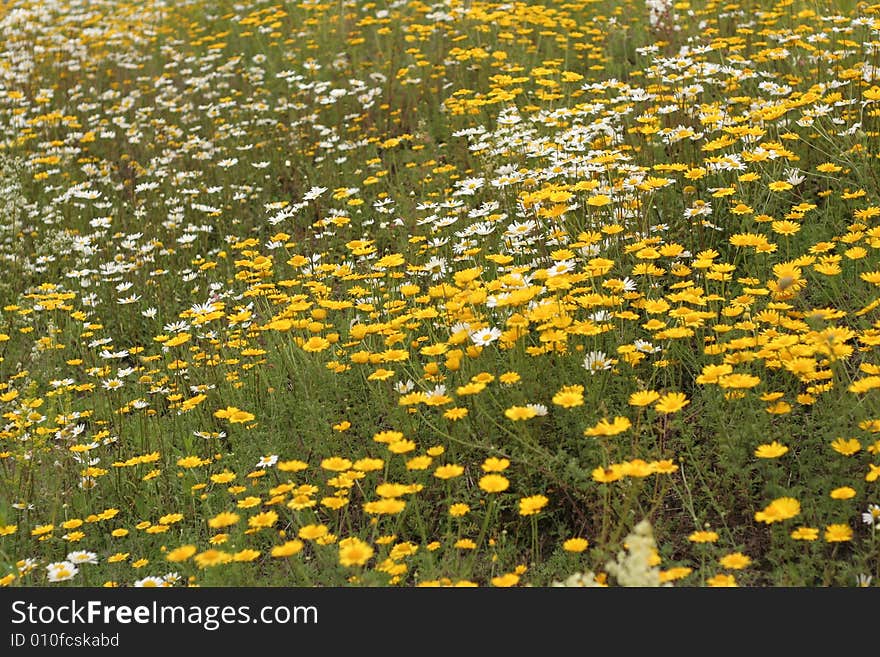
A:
<point x="331" y="294"/>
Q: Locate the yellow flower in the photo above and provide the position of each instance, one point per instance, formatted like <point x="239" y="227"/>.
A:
<point x="671" y="402"/>
<point x="672" y="574"/>
<point x="569" y="396"/>
<point x="636" y="468"/>
<point x="494" y="483"/>
<point x="666" y="466"/>
<point x="605" y="428"/>
<point x="170" y="518"/>
<point x="181" y="553"/>
<point x="598" y="200"/>
<point x="509" y="378"/>
<point x="419" y="463"/>
<point x="388" y="437"/>
<point x="456" y="413"/>
<point x="643" y="397"/>
<point x="354" y="552"/>
<point x="735" y="561"/>
<point x="805" y="534"/>
<point x="330" y="502"/>
<point x="532" y="505"/>
<point x="291" y="466"/>
<point x="261" y="520"/>
<point x="246" y="555"/>
<point x="223" y="477"/>
<point x="448" y="471"/>
<point x="843" y="493"/>
<point x="779" y="509"/>
<point x="401" y="446"/>
<point x="838" y="533"/>
<point x="738" y="380"/>
<point x="312" y="532"/>
<point x="493" y="464"/>
<point x="385" y="506"/>
<point x="234" y="415"/>
<point x="721" y="580"/>
<point x="771" y="450"/>
<point x="509" y="579"/>
<point x="223" y="519"/>
<point x="190" y="462"/>
<point x="846" y="446"/>
<point x="785" y="227"/>
<point x="458" y="510"/>
<point x="607" y="475"/>
<point x="287" y="549"/>
<point x="315" y="343"/>
<point x="336" y="464"/>
<point x="212" y="557"/>
<point x="703" y="537"/>
<point x="517" y="413"/>
<point x="368" y="465"/>
<point x="575" y="545"/>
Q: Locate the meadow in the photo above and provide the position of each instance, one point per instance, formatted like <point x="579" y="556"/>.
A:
<point x="464" y="293"/>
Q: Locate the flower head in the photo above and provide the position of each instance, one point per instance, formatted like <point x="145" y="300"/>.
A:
<point x="778" y="510"/>
<point x="60" y="571"/>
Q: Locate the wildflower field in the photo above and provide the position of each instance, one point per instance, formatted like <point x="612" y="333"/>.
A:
<point x="405" y="293"/>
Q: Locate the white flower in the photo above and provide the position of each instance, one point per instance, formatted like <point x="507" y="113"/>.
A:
<point x="645" y="346"/>
<point x="871" y="517"/>
<point x="314" y="193"/>
<point x="82" y="556"/>
<point x="151" y="582"/>
<point x="560" y="268"/>
<point x="267" y="461"/>
<point x="540" y="409"/>
<point x="436" y="267"/>
<point x="597" y="360"/>
<point x="795" y="177"/>
<point x="176" y="327"/>
<point x="485" y="336"/>
<point x="459" y="327"/>
<point x="60" y="571"/>
<point x="404" y="387"/>
<point x="468" y="186"/>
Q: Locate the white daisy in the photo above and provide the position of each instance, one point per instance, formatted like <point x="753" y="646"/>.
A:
<point x="60" y="571"/>
<point x="485" y="336"/>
